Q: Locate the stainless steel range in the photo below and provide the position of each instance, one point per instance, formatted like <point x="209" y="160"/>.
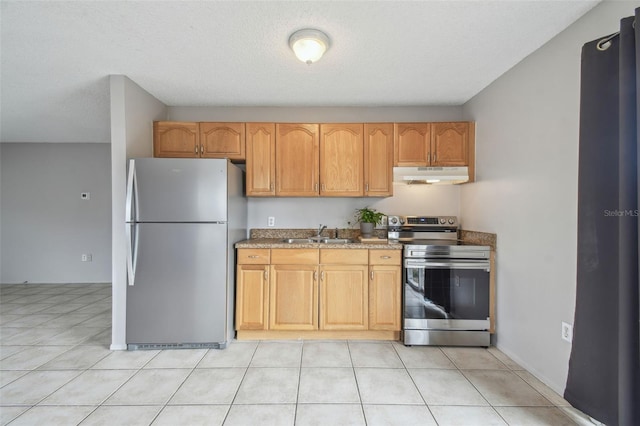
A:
<point x="446" y="297"/>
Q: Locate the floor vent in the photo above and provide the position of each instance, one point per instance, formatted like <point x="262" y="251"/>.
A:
<point x="157" y="346"/>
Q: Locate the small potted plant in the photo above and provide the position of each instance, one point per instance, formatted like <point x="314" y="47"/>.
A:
<point x="368" y="219"/>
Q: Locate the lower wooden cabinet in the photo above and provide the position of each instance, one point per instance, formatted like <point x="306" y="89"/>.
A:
<point x="293" y="299"/>
<point x="385" y="297"/>
<point x="344" y="297"/>
<point x="318" y="290"/>
<point x="252" y="297"/>
<point x="385" y="290"/>
<point x="252" y="289"/>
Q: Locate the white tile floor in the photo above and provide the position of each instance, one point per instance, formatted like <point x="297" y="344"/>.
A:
<point x="56" y="369"/>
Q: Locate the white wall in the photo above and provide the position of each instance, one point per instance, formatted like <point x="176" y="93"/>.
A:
<point x="526" y="192"/>
<point x="133" y="111"/>
<point x="336" y="212"/>
<point x="46" y="227"/>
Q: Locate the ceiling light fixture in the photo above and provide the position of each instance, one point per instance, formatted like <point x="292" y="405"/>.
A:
<point x="309" y="45"/>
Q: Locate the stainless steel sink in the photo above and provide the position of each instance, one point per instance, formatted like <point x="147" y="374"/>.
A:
<point x="336" y="241"/>
<point x="316" y="240"/>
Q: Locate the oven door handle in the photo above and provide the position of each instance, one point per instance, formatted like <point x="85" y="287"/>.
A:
<point x="446" y="265"/>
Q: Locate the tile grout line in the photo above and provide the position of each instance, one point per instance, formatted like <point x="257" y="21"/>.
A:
<point x="355" y="376"/>
<point x="415" y="384"/>
<point x="235" y="395"/>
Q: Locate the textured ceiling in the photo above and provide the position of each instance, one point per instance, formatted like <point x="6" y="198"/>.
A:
<point x="57" y="56"/>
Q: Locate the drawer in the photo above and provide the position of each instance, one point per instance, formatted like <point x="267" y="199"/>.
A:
<point x="253" y="257"/>
<point x="294" y="256"/>
<point x="343" y="256"/>
<point x="385" y="257"/>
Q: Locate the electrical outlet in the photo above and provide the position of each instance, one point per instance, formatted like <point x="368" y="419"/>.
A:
<point x="271" y="221"/>
<point x="567" y="332"/>
<point x="86" y="257"/>
<point x="85" y="195"/>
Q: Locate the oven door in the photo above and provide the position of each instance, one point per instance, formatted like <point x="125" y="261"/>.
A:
<point x="446" y="294"/>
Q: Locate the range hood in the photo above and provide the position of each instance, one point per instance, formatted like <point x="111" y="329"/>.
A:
<point x="431" y="175"/>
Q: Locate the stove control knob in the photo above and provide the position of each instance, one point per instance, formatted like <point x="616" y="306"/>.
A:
<point x="401" y="221"/>
<point x="451" y="221"/>
<point x="393" y="220"/>
<point x="443" y="220"/>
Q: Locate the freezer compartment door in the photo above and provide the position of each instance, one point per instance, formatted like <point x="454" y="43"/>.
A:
<point x="180" y="290"/>
<point x="177" y="190"/>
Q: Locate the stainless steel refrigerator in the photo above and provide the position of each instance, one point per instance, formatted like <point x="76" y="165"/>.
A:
<point x="183" y="218"/>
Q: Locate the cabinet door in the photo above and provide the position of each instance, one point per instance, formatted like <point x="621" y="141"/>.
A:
<point x="252" y="297"/>
<point x="378" y="159"/>
<point x="343" y="297"/>
<point x="222" y="140"/>
<point x="341" y="160"/>
<point x="412" y="144"/>
<point x="297" y="159"/>
<point x="450" y="144"/>
<point x="293" y="299"/>
<point x="385" y="297"/>
<point x="261" y="159"/>
<point x="175" y="139"/>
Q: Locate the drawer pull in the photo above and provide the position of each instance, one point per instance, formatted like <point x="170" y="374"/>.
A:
<point x="385" y="257"/>
<point x="371" y="275"/>
<point x="253" y="256"/>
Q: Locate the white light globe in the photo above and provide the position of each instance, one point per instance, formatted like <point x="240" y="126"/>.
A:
<point x="309" y="45"/>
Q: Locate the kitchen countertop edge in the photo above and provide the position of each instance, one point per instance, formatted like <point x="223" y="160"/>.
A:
<point x="269" y="243"/>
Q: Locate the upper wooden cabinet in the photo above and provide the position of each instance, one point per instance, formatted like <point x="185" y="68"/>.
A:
<point x="435" y="144"/>
<point x="329" y="160"/>
<point x="450" y="144"/>
<point x="412" y="144"/>
<point x="297" y="159"/>
<point x="222" y="140"/>
<point x="341" y="160"/>
<point x="261" y="159"/>
<point x="176" y="139"/>
<point x="378" y="159"/>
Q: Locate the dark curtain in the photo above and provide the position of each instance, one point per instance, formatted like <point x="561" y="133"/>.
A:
<point x="604" y="367"/>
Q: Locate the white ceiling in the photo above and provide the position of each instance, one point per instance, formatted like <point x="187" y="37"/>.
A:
<point x="57" y="56"/>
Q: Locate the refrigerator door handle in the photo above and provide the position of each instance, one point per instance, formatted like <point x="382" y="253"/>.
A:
<point x="132" y="244"/>
<point x="131" y="229"/>
<point x="132" y="194"/>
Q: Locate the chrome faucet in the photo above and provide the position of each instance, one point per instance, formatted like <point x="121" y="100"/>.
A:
<point x="320" y="229"/>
